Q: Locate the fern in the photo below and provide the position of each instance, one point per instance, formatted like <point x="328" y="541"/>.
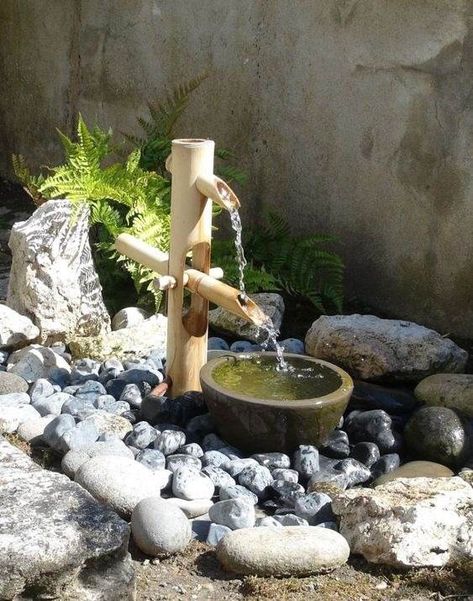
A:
<point x="31" y="184"/>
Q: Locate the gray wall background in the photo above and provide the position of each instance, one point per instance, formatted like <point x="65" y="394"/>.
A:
<point x="353" y="117"/>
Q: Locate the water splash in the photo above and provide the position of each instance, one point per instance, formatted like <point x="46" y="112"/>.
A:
<point x="268" y="328"/>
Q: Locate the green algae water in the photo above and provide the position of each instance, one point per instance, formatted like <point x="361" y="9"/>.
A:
<point x="259" y="377"/>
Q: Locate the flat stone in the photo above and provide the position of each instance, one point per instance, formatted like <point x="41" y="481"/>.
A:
<point x="55" y="537"/>
<point x="35" y="361"/>
<point x="291" y="551"/>
<point x="371" y="348"/>
<point x="159" y="528"/>
<point x="409" y="522"/>
<point x="12" y="383"/>
<point x="192" y="509"/>
<point x="416" y="469"/>
<point x="109" y="423"/>
<point x="454" y="391"/>
<point x="118" y="481"/>
<point x="223" y="321"/>
<point x="15" y="330"/>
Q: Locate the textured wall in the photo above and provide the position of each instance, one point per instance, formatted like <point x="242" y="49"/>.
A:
<point x="353" y="116"/>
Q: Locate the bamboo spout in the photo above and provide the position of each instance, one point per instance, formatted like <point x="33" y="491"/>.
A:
<point x="219" y="191"/>
<point x="143" y="253"/>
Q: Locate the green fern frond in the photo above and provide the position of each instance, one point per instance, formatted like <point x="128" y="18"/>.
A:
<point x="31" y="184"/>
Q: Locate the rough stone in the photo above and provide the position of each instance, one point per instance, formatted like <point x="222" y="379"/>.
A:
<point x="127" y="343"/>
<point x="271" y="304"/>
<point x="15" y="330"/>
<point x="36" y="361"/>
<point x="12" y="383"/>
<point x="109" y="423"/>
<point x="257" y="479"/>
<point x="233" y="513"/>
<point x="235" y="491"/>
<point x="53" y="278"/>
<point x="152" y="459"/>
<point x="118" y="481"/>
<point x="285" y="474"/>
<point x="306" y="460"/>
<point x="371" y="348"/>
<point x="410" y="522"/>
<point x="56" y="428"/>
<point x="55" y="538"/>
<point x="314" y="507"/>
<point x="273" y="460"/>
<point x="291" y="551"/>
<point x="415" y="469"/>
<point x="80" y="437"/>
<point x="440" y="435"/>
<point x="159" y="527"/>
<point x="454" y="391"/>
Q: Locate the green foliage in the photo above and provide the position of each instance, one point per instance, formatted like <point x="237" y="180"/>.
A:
<point x="31" y="183"/>
<point x="300" y="266"/>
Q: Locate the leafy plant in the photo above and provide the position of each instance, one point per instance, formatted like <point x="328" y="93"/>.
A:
<point x="300" y="266"/>
<point x="31" y="183"/>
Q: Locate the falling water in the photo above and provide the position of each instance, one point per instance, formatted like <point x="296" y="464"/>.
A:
<point x="268" y="327"/>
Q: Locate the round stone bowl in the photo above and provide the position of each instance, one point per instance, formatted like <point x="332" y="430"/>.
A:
<point x="257" y="425"/>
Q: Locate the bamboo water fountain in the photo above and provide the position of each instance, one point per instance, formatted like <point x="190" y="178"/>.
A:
<point x="194" y="187"/>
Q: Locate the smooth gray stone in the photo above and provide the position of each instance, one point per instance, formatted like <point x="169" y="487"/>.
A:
<point x="306" y="460"/>
<point x="80" y="437"/>
<point x="285" y="474"/>
<point x="53" y="404"/>
<point x="42" y="388"/>
<point x="218" y="476"/>
<point x="132" y="395"/>
<point x="56" y="428"/>
<point x="201" y="425"/>
<point x="142" y="436"/>
<point x="216" y="533"/>
<point x="235" y="491"/>
<point x="56" y="538"/>
<point x="289" y="519"/>
<point x="233" y="513"/>
<point x="168" y="441"/>
<point x="314" y="507"/>
<point x="90" y="390"/>
<point x="151" y="458"/>
<point x="192" y="448"/>
<point x="238" y="465"/>
<point x="268" y="521"/>
<point x="78" y="407"/>
<point x="273" y="460"/>
<point x="356" y="472"/>
<point x="173" y="462"/>
<point x="215" y="459"/>
<point x="256" y="478"/>
<point x="14" y="399"/>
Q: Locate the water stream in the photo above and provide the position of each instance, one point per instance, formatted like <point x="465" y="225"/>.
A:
<point x="268" y="328"/>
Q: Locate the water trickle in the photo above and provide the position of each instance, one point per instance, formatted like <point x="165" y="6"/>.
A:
<point x="268" y="327"/>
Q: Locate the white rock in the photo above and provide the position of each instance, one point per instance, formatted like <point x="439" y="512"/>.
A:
<point x="291" y="551"/>
<point x="234" y="513"/>
<point x="159" y="527"/>
<point x="12" y="417"/>
<point x="33" y="429"/>
<point x="108" y="423"/>
<point x="409" y="522"/>
<point x="72" y="460"/>
<point x="128" y="318"/>
<point x="34" y="362"/>
<point x="191" y="484"/>
<point x="14" y="399"/>
<point x="15" y="329"/>
<point x="129" y="343"/>
<point x="371" y="348"/>
<point x="118" y="481"/>
<point x="53" y="278"/>
<point x="270" y="303"/>
<point x="192" y="509"/>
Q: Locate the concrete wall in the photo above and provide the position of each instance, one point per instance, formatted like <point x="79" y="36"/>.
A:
<point x="352" y="116"/>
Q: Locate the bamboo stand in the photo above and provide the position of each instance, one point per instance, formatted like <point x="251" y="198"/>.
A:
<point x="193" y="188"/>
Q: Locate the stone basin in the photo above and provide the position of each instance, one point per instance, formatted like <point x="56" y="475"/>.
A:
<point x="264" y="425"/>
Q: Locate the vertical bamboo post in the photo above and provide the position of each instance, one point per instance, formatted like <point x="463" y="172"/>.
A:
<point x="191" y="228"/>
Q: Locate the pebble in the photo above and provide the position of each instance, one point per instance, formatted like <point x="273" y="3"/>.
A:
<point x="235" y="491"/>
<point x="40" y="389"/>
<point x="287" y="492"/>
<point x="78" y="408"/>
<point x="235" y="467"/>
<point x="291" y="551"/>
<point x="216" y="459"/>
<point x="257" y="479"/>
<point x="173" y="462"/>
<point x="140" y="376"/>
<point x="216" y="533"/>
<point x="293" y="345"/>
<point x="115" y="387"/>
<point x="12" y="383"/>
<point x="189" y="483"/>
<point x="159" y="527"/>
<point x="233" y="513"/>
<point x="373" y="426"/>
<point x="152" y="459"/>
<point x="201" y="425"/>
<point x="168" y="441"/>
<point x="131" y="394"/>
<point x="273" y="460"/>
<point x="90" y="390"/>
<point x="192" y="448"/>
<point x="119" y="482"/>
<point x="14" y="399"/>
<point x="52" y="404"/>
<point x="328" y="479"/>
<point x="268" y="522"/>
<point x="81" y="436"/>
<point x="185" y="407"/>
<point x="355" y="471"/>
<point x="56" y="428"/>
<point x="192" y="509"/>
<point x="218" y="476"/>
<point x="314" y="507"/>
<point x="217" y="344"/>
<point x="384" y="465"/>
<point x="142" y="436"/>
<point x="366" y="452"/>
<point x="32" y="430"/>
<point x="306" y="460"/>
<point x="285" y="474"/>
<point x="337" y="445"/>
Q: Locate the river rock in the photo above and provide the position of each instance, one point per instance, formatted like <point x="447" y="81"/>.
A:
<point x="159" y="528"/>
<point x="236" y="491"/>
<point x="286" y="474"/>
<point x="291" y="551"/>
<point x="257" y="479"/>
<point x="385" y="465"/>
<point x="306" y="460"/>
<point x="72" y="460"/>
<point x="192" y="509"/>
<point x="12" y="383"/>
<point x="168" y="441"/>
<point x="56" y="428"/>
<point x="109" y="423"/>
<point x="15" y="330"/>
<point x="32" y="430"/>
<point x="81" y="436"/>
<point x="53" y="278"/>
<point x="118" y="481"/>
<point x="128" y="343"/>
<point x="12" y="417"/>
<point x="128" y="318"/>
<point x="218" y="476"/>
<point x="36" y="361"/>
<point x="14" y="399"/>
<point x="152" y="459"/>
<point x="315" y="508"/>
<point x="270" y="303"/>
<point x="454" y="391"/>
<point x="142" y="436"/>
<point x="337" y="446"/>
<point x="440" y="435"/>
<point x="52" y="404"/>
<point x="411" y="522"/>
<point x="233" y="513"/>
<point x="371" y="348"/>
<point x="415" y="469"/>
<point x="394" y="401"/>
<point x="366" y="452"/>
<point x="189" y="483"/>
<point x="373" y="426"/>
<point x="216" y="533"/>
<point x="174" y="462"/>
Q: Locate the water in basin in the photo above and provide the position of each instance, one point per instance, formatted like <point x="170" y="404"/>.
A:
<point x="261" y="377"/>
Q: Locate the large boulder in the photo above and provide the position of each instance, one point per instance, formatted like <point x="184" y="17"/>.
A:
<point x="15" y="330"/>
<point x="411" y="522"/>
<point x="53" y="279"/>
<point x="454" y="391"/>
<point x="371" y="348"/>
<point x="127" y="343"/>
<point x="270" y="303"/>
